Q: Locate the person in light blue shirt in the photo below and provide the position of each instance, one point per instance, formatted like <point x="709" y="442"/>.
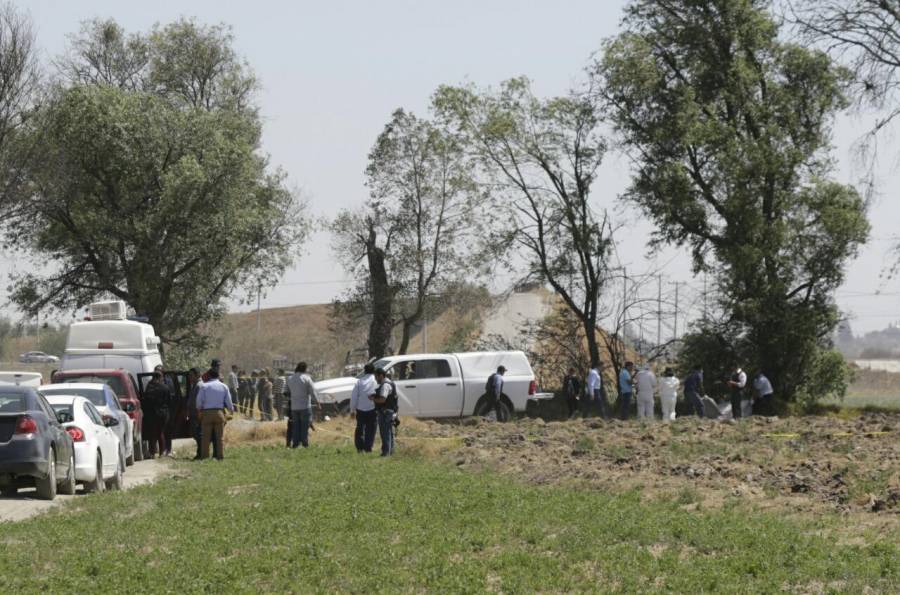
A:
<point x="212" y="398"/>
<point x="626" y="388"/>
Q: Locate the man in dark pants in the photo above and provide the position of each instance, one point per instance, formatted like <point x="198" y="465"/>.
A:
<point x="363" y="409"/>
<point x="494" y="388"/>
<point x="156" y="414"/>
<point x="693" y="388"/>
<point x="303" y="396"/>
<point x="385" y="399"/>
<point x="737" y="384"/>
<point x="572" y="388"/>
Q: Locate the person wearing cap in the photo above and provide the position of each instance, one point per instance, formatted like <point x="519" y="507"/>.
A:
<point x="385" y="400"/>
<point x="494" y="388"/>
<point x="363" y="409"/>
<point x="212" y="399"/>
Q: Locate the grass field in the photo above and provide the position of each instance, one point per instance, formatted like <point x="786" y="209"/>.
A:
<point x="326" y="519"/>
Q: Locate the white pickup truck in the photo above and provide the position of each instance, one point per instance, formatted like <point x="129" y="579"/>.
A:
<point x="445" y="385"/>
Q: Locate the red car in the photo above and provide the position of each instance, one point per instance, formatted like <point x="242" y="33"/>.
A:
<point x="124" y="385"/>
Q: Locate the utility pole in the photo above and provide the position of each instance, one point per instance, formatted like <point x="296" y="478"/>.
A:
<point x="659" y="310"/>
<point x="258" y="310"/>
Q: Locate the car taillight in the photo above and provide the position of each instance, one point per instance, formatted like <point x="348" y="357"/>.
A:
<point x="26" y="425"/>
<point x="532" y="388"/>
<point x="76" y="433"/>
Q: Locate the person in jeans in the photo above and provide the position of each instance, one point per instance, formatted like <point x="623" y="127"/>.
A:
<point x="693" y="388"/>
<point x="363" y="409"/>
<point x="626" y="389"/>
<point x="385" y="399"/>
<point x="303" y="395"/>
<point x="212" y="399"/>
<point x="264" y="390"/>
<point x="594" y="389"/>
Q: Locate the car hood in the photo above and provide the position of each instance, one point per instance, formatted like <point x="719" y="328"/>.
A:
<point x="347" y="382"/>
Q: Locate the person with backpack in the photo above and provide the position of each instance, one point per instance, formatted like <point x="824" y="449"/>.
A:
<point x="493" y="388"/>
<point x="385" y="399"/>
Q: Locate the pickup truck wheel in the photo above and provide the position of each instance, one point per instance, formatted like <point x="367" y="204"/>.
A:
<point x="46" y="487"/>
<point x="115" y="484"/>
<point x="67" y="487"/>
<point x="483" y="409"/>
<point x="129" y="461"/>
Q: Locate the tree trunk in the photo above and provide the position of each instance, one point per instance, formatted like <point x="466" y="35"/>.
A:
<point x="382" y="300"/>
<point x="590" y="333"/>
<point x="408" y="324"/>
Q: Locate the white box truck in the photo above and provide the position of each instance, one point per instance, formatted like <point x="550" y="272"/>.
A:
<point x="445" y="385"/>
<point x="109" y="341"/>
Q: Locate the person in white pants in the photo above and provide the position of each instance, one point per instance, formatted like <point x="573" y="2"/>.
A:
<point x="645" y="382"/>
<point x="668" y="394"/>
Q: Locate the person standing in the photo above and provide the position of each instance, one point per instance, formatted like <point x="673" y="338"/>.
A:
<point x="363" y="409"/>
<point x="385" y="400"/>
<point x="626" y="389"/>
<point x="303" y="394"/>
<point x="243" y="391"/>
<point x="264" y="390"/>
<point x="737" y="384"/>
<point x="645" y="381"/>
<point x="212" y="399"/>
<point x="214" y="366"/>
<point x="571" y="389"/>
<point x="693" y="388"/>
<point x="234" y="384"/>
<point x="668" y="394"/>
<point x="763" y="389"/>
<point x="156" y="411"/>
<point x="279" y="383"/>
<point x="173" y="411"/>
<point x="596" y="392"/>
<point x="251" y="393"/>
<point x="494" y="389"/>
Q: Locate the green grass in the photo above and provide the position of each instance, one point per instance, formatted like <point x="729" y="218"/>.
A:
<point x="326" y="519"/>
<point x="862" y="400"/>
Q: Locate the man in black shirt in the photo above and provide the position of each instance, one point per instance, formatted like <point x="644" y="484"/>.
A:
<point x="572" y="388"/>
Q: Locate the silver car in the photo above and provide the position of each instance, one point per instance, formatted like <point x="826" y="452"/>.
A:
<point x="37" y="357"/>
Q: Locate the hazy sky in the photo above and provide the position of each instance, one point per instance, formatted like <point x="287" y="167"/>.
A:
<point x="332" y="73"/>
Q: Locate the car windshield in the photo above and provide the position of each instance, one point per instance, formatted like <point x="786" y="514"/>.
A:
<point x="114" y="382"/>
<point x="94" y="395"/>
<point x="13" y="403"/>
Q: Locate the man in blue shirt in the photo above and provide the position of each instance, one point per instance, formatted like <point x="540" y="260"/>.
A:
<point x="693" y="388"/>
<point x="212" y="399"/>
<point x="626" y="388"/>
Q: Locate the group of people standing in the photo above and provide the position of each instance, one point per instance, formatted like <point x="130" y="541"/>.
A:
<point x="373" y="403"/>
<point x="260" y="392"/>
<point x="641" y="387"/>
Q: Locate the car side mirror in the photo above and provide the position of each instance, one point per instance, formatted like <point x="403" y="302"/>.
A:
<point x="110" y="422"/>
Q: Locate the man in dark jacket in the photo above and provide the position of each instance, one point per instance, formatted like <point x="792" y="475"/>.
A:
<point x="572" y="388"/>
<point x="156" y="413"/>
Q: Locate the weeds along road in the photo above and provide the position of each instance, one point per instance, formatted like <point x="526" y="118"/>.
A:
<point x="25" y="504"/>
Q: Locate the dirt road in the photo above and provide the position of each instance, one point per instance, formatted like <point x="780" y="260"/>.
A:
<point x="25" y="505"/>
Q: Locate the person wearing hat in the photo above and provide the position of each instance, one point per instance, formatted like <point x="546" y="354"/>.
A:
<point x="493" y="389"/>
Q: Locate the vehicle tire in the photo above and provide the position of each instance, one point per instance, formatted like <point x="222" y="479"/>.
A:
<point x="98" y="484"/>
<point x="138" y="450"/>
<point x="115" y="484"/>
<point x="483" y="409"/>
<point x="67" y="487"/>
<point x="129" y="461"/>
<point x="46" y="487"/>
<point x="344" y="408"/>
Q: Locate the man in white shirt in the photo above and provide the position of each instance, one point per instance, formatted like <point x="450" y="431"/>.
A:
<point x="764" y="392"/>
<point x="737" y="383"/>
<point x="363" y="409"/>
<point x="645" y="382"/>
<point x="594" y="393"/>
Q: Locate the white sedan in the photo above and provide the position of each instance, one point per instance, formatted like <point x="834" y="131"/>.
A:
<point x="99" y="455"/>
<point x="104" y="399"/>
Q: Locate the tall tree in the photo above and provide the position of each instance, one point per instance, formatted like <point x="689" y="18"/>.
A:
<point x="540" y="159"/>
<point x="729" y="127"/>
<point x="141" y="195"/>
<point x="19" y="81"/>
<point x="420" y="227"/>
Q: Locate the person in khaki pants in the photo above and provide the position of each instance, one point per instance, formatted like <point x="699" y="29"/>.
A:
<point x="212" y="399"/>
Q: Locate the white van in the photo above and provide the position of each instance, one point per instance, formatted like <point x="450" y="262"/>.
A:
<point x="109" y="341"/>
